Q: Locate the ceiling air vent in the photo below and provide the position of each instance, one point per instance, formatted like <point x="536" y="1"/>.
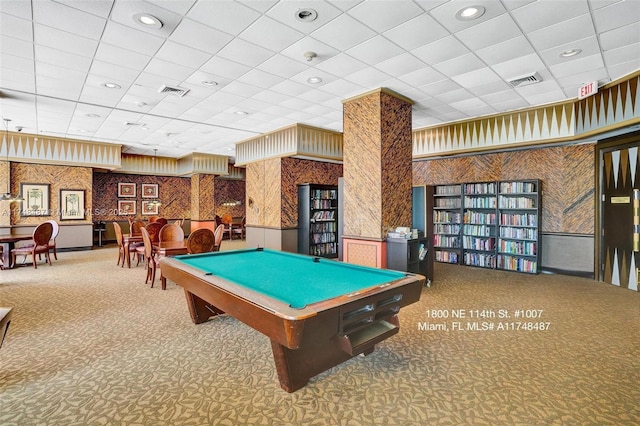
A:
<point x="525" y="80"/>
<point x="176" y="91"/>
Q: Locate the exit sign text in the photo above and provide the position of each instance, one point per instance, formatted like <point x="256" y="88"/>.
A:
<point x="588" y="90"/>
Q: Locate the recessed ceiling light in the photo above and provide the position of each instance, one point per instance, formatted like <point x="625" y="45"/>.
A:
<point x="570" y="52"/>
<point x="111" y="85"/>
<point x="241" y="112"/>
<point x="147" y="20"/>
<point x="314" y="80"/>
<point x="92" y="115"/>
<point x="141" y="104"/>
<point x="470" y="13"/>
<point x="306" y="15"/>
<point x="209" y="83"/>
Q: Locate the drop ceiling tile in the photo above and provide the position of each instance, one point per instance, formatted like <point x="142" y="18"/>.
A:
<point x="622" y="55"/>
<point x="16" y="47"/>
<point x="539" y="15"/>
<point x="61" y="74"/>
<point x="123" y="57"/>
<point x="183" y="55"/>
<point x="131" y="39"/>
<point x="515" y="4"/>
<point x="67" y="19"/>
<point x="401" y="64"/>
<point x="626" y="68"/>
<point x="503" y="96"/>
<point x="199" y="36"/>
<point x="445" y="14"/>
<point x="17" y="8"/>
<point x="24" y="65"/>
<point x="369" y="78"/>
<point x="421" y="77"/>
<point x="440" y="50"/>
<point x="382" y="16"/>
<point x="315" y="96"/>
<point x="467" y="105"/>
<point x="271" y="34"/>
<point x="576" y="66"/>
<point x="435" y="89"/>
<point x="100" y="8"/>
<point x="519" y="66"/>
<point x="616" y="15"/>
<point x="417" y="32"/>
<point x="570" y="84"/>
<point x="285" y="12"/>
<point x="17" y="80"/>
<point x="453" y="96"/>
<point x="111" y="72"/>
<point x="563" y="33"/>
<point x="459" y="65"/>
<point x="259" y="5"/>
<point x="589" y="46"/>
<point x="244" y="52"/>
<point x="241" y="89"/>
<point x="375" y="50"/>
<point x="170" y="70"/>
<point x="224" y="67"/>
<point x="224" y="15"/>
<point x="282" y="66"/>
<point x="51" y="37"/>
<point x="290" y="88"/>
<point x="484" y="34"/>
<point x="475" y="78"/>
<point x="343" y="33"/>
<point x="343" y="88"/>
<point x="544" y="97"/>
<point x="341" y="65"/>
<point x="619" y="37"/>
<point x="498" y="86"/>
<point x="270" y="96"/>
<point x="501" y="52"/>
<point x="15" y="27"/>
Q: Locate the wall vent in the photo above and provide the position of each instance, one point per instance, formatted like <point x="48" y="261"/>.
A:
<point x="525" y="80"/>
<point x="176" y="91"/>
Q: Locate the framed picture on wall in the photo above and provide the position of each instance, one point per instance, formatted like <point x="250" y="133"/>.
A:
<point x="150" y="208"/>
<point x="35" y="199"/>
<point x="126" y="189"/>
<point x="126" y="207"/>
<point x="149" y="190"/>
<point x="71" y="204"/>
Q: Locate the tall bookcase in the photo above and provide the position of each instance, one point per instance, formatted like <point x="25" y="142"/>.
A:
<point x="489" y="224"/>
<point x="447" y="223"/>
<point x="519" y="211"/>
<point x="479" y="228"/>
<point x="318" y="220"/>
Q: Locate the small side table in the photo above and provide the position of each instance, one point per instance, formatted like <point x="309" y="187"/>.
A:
<point x="99" y="231"/>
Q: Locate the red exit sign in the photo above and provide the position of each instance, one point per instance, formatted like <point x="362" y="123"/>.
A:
<point x="588" y="90"/>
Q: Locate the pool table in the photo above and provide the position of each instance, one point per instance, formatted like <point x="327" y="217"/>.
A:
<point x="317" y="312"/>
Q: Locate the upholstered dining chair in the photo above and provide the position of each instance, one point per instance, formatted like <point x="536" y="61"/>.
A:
<point x="240" y="230"/>
<point x="41" y="237"/>
<point x="154" y="231"/>
<point x="171" y="232"/>
<point x="136" y="225"/>
<point x="162" y="220"/>
<point x="218" y="235"/>
<point x="201" y="240"/>
<point x="150" y="258"/>
<point x="54" y="234"/>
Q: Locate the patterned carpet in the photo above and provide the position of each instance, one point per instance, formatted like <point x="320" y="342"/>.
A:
<point x="91" y="344"/>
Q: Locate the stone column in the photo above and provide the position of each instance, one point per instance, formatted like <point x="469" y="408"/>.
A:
<point x="377" y="173"/>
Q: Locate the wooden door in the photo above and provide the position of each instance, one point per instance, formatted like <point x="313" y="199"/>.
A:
<point x="619" y="209"/>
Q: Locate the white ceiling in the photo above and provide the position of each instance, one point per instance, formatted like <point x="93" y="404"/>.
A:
<point x="57" y="54"/>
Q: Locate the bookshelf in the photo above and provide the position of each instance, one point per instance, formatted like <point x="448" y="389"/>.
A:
<point x="519" y="209"/>
<point x="318" y="220"/>
<point x="447" y="223"/>
<point x="479" y="229"/>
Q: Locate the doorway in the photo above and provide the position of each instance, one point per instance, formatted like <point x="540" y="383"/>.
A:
<point x="619" y="213"/>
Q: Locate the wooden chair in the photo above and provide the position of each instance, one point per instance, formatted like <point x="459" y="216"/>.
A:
<point x="171" y="232"/>
<point x="201" y="241"/>
<point x="162" y="220"/>
<point x="151" y="260"/>
<point x="52" y="241"/>
<point x="240" y="230"/>
<point x="154" y="231"/>
<point x="120" y="240"/>
<point x="41" y="237"/>
<point x="136" y="225"/>
<point x="153" y="219"/>
<point x="227" y="221"/>
<point x="218" y="235"/>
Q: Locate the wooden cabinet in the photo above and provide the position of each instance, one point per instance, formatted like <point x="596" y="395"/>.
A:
<point x="318" y="220"/>
<point x="409" y="255"/>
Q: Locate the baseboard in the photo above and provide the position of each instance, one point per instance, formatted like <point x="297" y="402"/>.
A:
<point x="583" y="274"/>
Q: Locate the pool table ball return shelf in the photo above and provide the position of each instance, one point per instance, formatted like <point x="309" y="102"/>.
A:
<point x="317" y="312"/>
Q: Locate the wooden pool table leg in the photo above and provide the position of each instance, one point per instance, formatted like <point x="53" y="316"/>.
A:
<point x="200" y="310"/>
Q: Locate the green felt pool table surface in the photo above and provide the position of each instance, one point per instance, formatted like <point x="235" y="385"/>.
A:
<point x="296" y="280"/>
